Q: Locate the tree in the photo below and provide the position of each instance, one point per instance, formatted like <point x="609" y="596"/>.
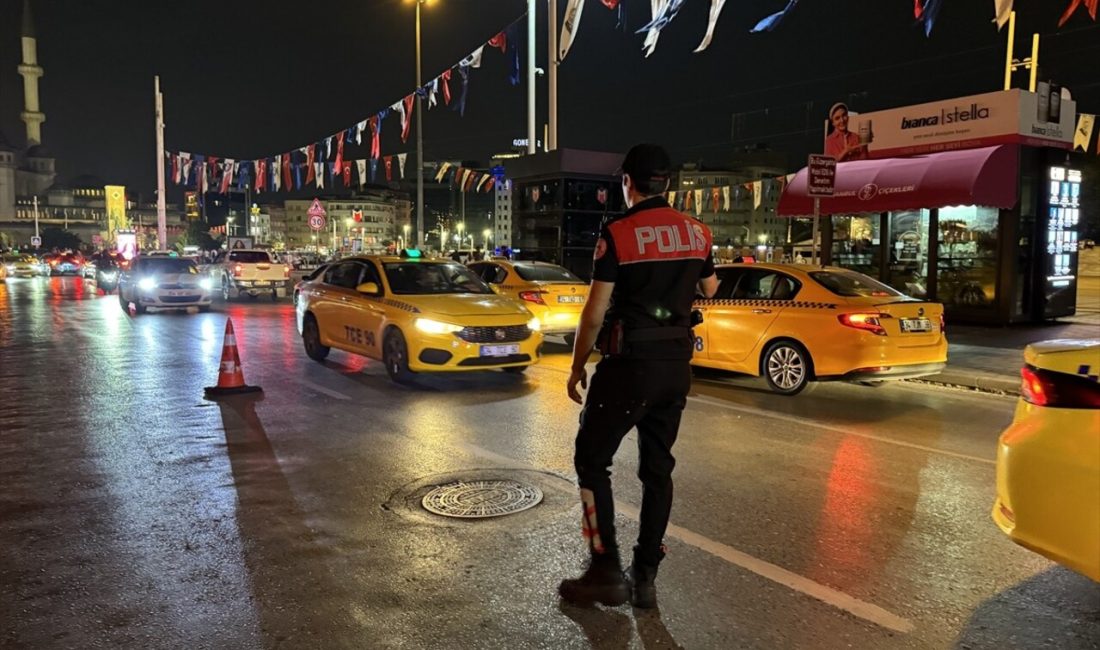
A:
<point x="61" y="239"/>
<point x="198" y="234"/>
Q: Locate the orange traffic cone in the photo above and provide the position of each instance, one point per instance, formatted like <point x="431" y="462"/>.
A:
<point x="230" y="375"/>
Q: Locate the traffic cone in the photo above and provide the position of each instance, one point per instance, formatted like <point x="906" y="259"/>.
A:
<point x="230" y="375"/>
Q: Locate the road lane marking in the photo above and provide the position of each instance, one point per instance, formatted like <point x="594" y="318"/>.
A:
<point x="321" y="389"/>
<point x="832" y="597"/>
<point x="794" y="419"/>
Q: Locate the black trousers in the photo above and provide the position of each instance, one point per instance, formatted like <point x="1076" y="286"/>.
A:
<point x="625" y="393"/>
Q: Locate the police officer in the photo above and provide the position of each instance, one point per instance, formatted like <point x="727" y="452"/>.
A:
<point x="649" y="264"/>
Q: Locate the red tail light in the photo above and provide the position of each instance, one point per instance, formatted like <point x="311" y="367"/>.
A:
<point x="237" y="270"/>
<point x="867" y="322"/>
<point x="943" y="324"/>
<point x="532" y="296"/>
<point x="1058" y="389"/>
<point x="286" y="271"/>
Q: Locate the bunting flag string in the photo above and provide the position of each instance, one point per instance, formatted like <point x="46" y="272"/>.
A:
<point x="715" y="10"/>
<point x="1001" y="11"/>
<point x="1083" y="135"/>
<point x="282" y="172"/>
<point x="771" y="22"/>
<point x="1089" y="5"/>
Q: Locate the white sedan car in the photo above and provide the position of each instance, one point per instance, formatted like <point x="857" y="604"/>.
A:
<point x="164" y="283"/>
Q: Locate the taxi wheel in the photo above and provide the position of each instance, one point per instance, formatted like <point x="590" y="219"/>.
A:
<point x="395" y="356"/>
<point x="570" y="339"/>
<point x="311" y="339"/>
<point x="786" y="367"/>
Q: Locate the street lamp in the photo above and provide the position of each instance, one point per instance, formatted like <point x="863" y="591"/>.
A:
<point x="229" y="230"/>
<point x="405" y="238"/>
<point x="419" y="136"/>
<point x="460" y="227"/>
<point x="486" y="234"/>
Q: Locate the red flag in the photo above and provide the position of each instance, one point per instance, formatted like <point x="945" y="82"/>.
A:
<point x="410" y="101"/>
<point x="611" y="4"/>
<point x="501" y="40"/>
<point x="489" y="183"/>
<point x="918" y="10"/>
<point x="444" y="78"/>
<point x="338" y="164"/>
<point x="176" y="169"/>
<point x="714" y="194"/>
<point x="375" y="137"/>
<point x="261" y="174"/>
<point x="346" y="172"/>
<point x="1090" y="5"/>
<point x="389" y="167"/>
<point x="286" y="171"/>
<point x="227" y="175"/>
<point x="310" y="153"/>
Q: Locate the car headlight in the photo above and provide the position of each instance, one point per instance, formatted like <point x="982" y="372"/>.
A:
<point x="147" y="284"/>
<point x="207" y="284"/>
<point x="429" y="326"/>
<point x="534" y="325"/>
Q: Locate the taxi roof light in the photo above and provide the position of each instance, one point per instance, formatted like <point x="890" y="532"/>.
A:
<point x="411" y="253"/>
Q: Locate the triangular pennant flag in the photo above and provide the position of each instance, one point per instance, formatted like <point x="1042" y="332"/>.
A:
<point x="199" y="169"/>
<point x="481" y="181"/>
<point x="771" y="22"/>
<point x="513" y="47"/>
<point x="500" y="41"/>
<point x="1090" y="5"/>
<point x="359" y="128"/>
<point x="388" y="160"/>
<point x="406" y="114"/>
<point x="328" y="147"/>
<point x="1083" y="135"/>
<point x="473" y="60"/>
<point x="318" y="174"/>
<point x="712" y="20"/>
<point x="277" y="173"/>
<point x="345" y="171"/>
<point x="361" y="167"/>
<point x="332" y="171"/>
<point x="339" y="162"/>
<point x="311" y="152"/>
<point x="687" y="200"/>
<point x="227" y="175"/>
<point x="403" y="119"/>
<point x="373" y="169"/>
<point x="664" y="11"/>
<point x="1001" y="11"/>
<point x="401" y="163"/>
<point x="286" y="171"/>
<point x="726" y="198"/>
<point x="465" y="175"/>
<point x="444" y="80"/>
<point x="442" y="172"/>
<point x="757" y="194"/>
<point x="569" y="27"/>
<point x="176" y="166"/>
<point x="298" y="175"/>
<point x="433" y="88"/>
<point x="489" y="184"/>
<point x="376" y="136"/>
<point x="261" y="174"/>
<point x="714" y="192"/>
<point x="929" y="12"/>
<point x="470" y="181"/>
<point x="460" y="106"/>
<point x="672" y="198"/>
<point x="697" y="200"/>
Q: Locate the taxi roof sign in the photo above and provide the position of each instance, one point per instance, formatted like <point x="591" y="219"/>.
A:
<point x="411" y="253"/>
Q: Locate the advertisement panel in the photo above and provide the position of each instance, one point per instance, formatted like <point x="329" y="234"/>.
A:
<point x="116" y="208"/>
<point x="1060" y="247"/>
<point x="1004" y="117"/>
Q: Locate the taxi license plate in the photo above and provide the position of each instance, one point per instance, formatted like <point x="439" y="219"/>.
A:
<point x="179" y="292"/>
<point x="499" y="350"/>
<point x="261" y="284"/>
<point x="570" y="299"/>
<point x="916" y="325"/>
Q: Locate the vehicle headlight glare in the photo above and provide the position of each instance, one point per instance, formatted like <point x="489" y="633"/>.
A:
<point x="206" y="283"/>
<point x="429" y="326"/>
<point x="534" y="325"/>
<point x="147" y="284"/>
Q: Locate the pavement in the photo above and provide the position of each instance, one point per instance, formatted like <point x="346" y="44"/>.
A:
<point x="989" y="358"/>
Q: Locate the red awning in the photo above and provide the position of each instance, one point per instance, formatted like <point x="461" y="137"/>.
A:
<point x="985" y="177"/>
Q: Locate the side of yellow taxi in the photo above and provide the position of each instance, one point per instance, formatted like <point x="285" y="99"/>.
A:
<point x="1048" y="459"/>
<point x="551" y="292"/>
<point x="415" y="315"/>
<point x="793" y="324"/>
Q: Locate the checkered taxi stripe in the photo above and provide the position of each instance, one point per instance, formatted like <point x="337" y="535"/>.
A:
<point x="1087" y="373"/>
<point x="404" y="306"/>
<point x="796" y="304"/>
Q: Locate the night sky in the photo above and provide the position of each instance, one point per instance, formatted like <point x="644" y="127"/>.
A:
<point x="246" y="80"/>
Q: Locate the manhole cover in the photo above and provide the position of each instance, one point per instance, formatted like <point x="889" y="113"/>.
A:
<point x="480" y="499"/>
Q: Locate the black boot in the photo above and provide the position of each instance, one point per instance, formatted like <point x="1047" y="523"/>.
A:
<point x="603" y="583"/>
<point x="643" y="587"/>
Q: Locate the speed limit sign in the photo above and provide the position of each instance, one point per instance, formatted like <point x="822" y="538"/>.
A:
<point x="317" y="222"/>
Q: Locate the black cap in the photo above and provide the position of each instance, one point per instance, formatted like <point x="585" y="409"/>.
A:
<point x="647" y="162"/>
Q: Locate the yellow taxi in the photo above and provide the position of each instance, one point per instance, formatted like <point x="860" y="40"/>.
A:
<point x="794" y="324"/>
<point x="1048" y="459"/>
<point x="415" y="315"/>
<point x="553" y="293"/>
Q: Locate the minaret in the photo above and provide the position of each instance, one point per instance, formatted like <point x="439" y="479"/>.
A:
<point x="31" y="71"/>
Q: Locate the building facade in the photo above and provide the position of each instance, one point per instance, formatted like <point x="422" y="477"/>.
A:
<point x="370" y="222"/>
<point x="502" y="214"/>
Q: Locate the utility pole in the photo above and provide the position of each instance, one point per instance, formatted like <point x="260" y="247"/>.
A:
<point x="36" y="216"/>
<point x="552" y="74"/>
<point x="419" y="140"/>
<point x="530" y="77"/>
<point x="162" y="219"/>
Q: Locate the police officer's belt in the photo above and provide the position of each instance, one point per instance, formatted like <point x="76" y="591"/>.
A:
<point x="657" y="334"/>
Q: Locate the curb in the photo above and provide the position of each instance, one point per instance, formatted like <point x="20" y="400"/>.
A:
<point x="975" y="380"/>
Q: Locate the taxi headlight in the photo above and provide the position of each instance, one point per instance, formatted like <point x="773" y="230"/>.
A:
<point x="10" y="267"/>
<point x="429" y="326"/>
<point x="207" y="284"/>
<point x="534" y="325"/>
<point x="147" y="284"/>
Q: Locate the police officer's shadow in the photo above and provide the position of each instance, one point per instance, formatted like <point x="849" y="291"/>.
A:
<point x="609" y="629"/>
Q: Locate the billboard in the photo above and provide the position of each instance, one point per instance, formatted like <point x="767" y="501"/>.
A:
<point x="116" y="209"/>
<point x="1043" y="119"/>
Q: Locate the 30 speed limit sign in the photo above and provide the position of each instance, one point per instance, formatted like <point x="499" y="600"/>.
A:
<point x="317" y="222"/>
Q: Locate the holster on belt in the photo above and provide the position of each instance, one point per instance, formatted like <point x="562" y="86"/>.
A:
<point x="615" y="340"/>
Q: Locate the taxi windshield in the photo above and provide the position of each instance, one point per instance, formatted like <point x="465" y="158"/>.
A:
<point x="163" y="265"/>
<point x="416" y="278"/>
<point x="853" y="285"/>
<point x="545" y="273"/>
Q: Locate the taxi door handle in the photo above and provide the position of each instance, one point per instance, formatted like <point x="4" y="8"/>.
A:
<point x="761" y="311"/>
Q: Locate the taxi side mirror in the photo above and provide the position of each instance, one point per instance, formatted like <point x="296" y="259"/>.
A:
<point x="370" y="288"/>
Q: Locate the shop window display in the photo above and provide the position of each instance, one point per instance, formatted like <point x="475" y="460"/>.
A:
<point x="908" y="242"/>
<point x="856" y="243"/>
<point x="967" y="256"/>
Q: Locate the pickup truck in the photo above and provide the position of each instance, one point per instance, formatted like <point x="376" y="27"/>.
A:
<point x="249" y="272"/>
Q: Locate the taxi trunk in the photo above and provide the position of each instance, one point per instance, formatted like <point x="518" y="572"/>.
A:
<point x="908" y="339"/>
<point x="561" y="304"/>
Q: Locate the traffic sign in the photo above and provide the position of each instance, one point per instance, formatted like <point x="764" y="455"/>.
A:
<point x="316" y="214"/>
<point x="822" y="175"/>
<point x="36" y="241"/>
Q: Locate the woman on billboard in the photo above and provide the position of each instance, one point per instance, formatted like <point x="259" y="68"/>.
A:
<point x="840" y="143"/>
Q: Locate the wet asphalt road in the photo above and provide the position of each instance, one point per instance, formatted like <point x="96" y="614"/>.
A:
<point x="133" y="513"/>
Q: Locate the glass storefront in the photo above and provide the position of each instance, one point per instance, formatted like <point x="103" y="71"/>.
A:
<point x="857" y="243"/>
<point x="907" y="269"/>
<point x="967" y="256"/>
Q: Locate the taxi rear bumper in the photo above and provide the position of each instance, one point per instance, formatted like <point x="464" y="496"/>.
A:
<point x="882" y="373"/>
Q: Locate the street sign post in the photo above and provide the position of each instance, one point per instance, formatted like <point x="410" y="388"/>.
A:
<point x="316" y="214"/>
<point x="36" y="241"/>
<point x="820" y="181"/>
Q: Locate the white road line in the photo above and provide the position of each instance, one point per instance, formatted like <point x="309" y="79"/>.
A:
<point x="838" y="599"/>
<point x="321" y="389"/>
<point x="832" y="429"/>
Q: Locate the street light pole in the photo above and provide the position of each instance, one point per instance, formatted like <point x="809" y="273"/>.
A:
<point x="531" y="77"/>
<point x="552" y="75"/>
<point x="419" y="139"/>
